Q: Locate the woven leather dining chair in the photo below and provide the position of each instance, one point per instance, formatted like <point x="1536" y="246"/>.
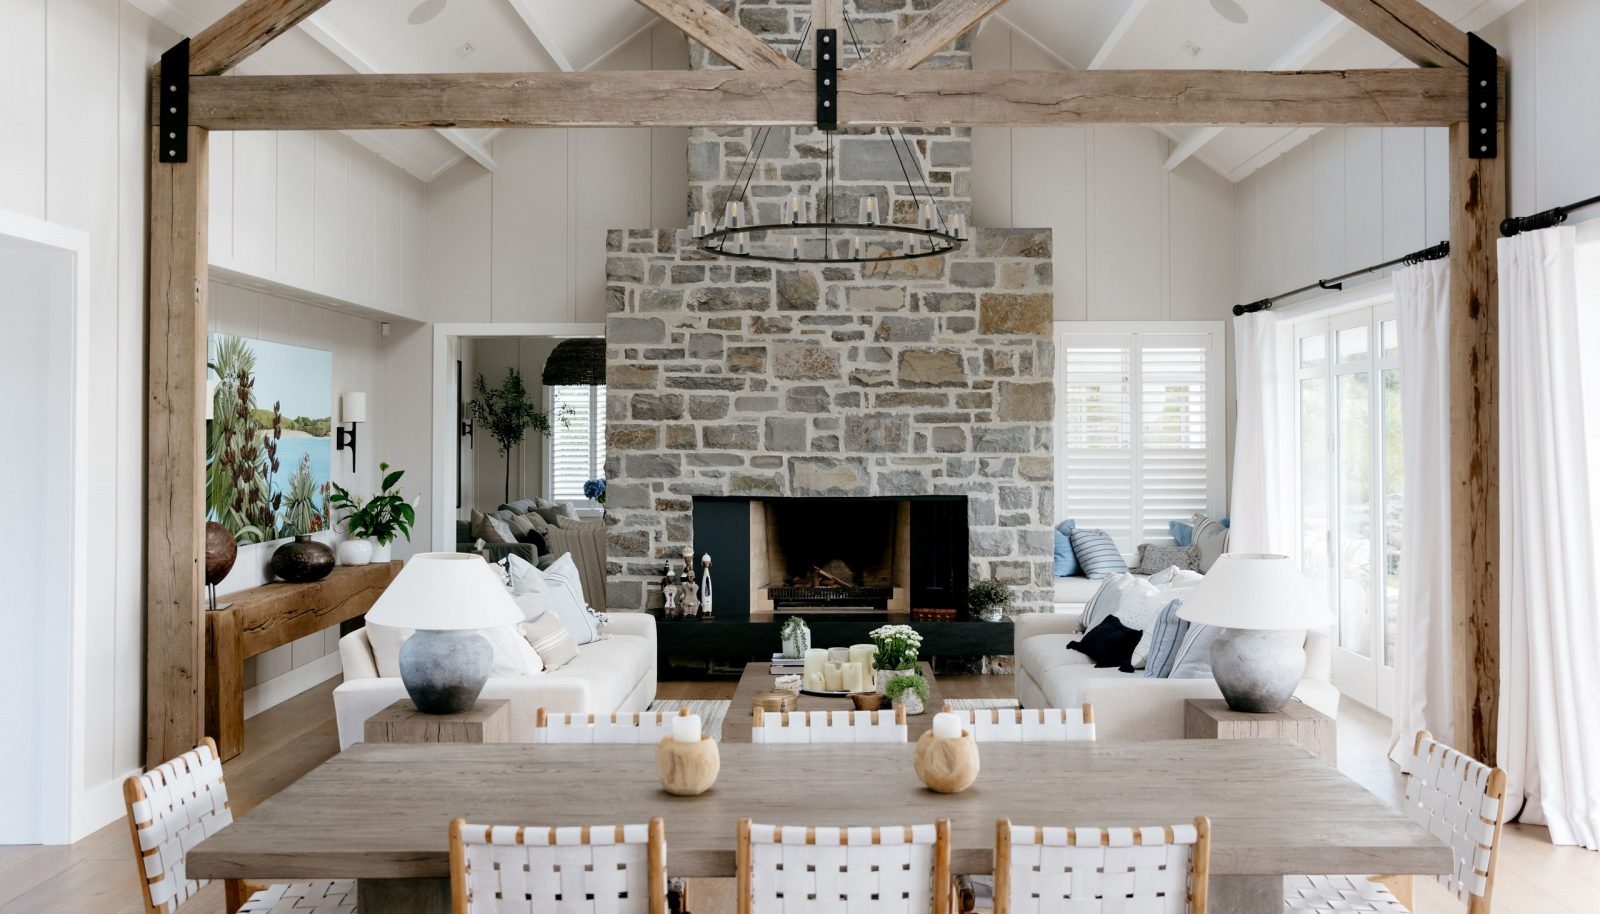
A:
<point x="637" y="727"/>
<point x="1027" y="725"/>
<point x="175" y="806"/>
<point x="795" y="727"/>
<point x="798" y="869"/>
<point x="1460" y="801"/>
<point x="1044" y="870"/>
<point x="501" y="869"/>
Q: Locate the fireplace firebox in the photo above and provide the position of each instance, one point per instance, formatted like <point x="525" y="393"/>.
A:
<point x="834" y="555"/>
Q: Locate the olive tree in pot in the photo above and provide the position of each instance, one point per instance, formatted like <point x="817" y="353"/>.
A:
<point x="507" y="414"/>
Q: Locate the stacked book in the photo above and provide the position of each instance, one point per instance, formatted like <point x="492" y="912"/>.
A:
<point x="784" y="666"/>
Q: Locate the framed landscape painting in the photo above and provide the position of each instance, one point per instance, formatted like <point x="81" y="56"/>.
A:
<point x="269" y="444"/>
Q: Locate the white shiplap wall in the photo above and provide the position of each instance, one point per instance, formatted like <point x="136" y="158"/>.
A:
<point x="1350" y="198"/>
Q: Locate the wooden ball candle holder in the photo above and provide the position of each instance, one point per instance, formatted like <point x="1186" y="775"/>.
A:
<point x="947" y="765"/>
<point x="687" y="769"/>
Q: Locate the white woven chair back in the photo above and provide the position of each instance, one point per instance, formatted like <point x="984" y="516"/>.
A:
<point x="1028" y="725"/>
<point x="641" y="727"/>
<point x="829" y="727"/>
<point x="501" y="869"/>
<point x="799" y="870"/>
<point x="1460" y="801"/>
<point x="171" y="808"/>
<point x="1160" y="870"/>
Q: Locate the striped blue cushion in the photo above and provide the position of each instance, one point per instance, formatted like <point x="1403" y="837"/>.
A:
<point x="1098" y="557"/>
<point x="1164" y="641"/>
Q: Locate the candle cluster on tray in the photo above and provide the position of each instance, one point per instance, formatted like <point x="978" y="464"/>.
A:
<point x="840" y="669"/>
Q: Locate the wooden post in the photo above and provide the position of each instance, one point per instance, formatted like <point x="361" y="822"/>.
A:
<point x="175" y="454"/>
<point x="1477" y="204"/>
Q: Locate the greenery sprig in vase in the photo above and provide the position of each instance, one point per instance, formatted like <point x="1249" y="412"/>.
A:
<point x="989" y="599"/>
<point x="385" y="517"/>
<point x="909" y="691"/>
<point x="796" y="637"/>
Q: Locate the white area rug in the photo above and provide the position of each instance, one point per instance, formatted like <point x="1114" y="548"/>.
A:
<point x="973" y="704"/>
<point x="712" y="712"/>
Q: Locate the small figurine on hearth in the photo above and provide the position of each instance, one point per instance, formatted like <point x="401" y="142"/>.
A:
<point x="690" y="599"/>
<point x="705" y="586"/>
<point x="669" y="593"/>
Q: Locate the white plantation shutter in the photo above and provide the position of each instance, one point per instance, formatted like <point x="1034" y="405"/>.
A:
<point x="1139" y="440"/>
<point x="578" y="446"/>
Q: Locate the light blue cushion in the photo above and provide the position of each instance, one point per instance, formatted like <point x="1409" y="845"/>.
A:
<point x="1194" y="656"/>
<point x="1066" y="560"/>
<point x="1098" y="556"/>
<point x="1165" y="639"/>
<point x="1182" y="532"/>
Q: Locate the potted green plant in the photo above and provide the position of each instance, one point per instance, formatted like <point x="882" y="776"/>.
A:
<point x="908" y="691"/>
<point x="384" y="517"/>
<point x="507" y="414"/>
<point x="897" y="652"/>
<point x="989" y="599"/>
<point x="796" y="637"/>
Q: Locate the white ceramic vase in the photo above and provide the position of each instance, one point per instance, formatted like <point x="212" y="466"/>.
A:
<point x="381" y="552"/>
<point x="883" y="677"/>
<point x="355" y="552"/>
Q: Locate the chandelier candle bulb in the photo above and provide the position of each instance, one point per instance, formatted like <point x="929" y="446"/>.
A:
<point x="796" y="210"/>
<point x="958" y="226"/>
<point x="734" y="215"/>
<point x="794" y="246"/>
<point x="686" y="728"/>
<point x="869" y="210"/>
<point x="930" y="216"/>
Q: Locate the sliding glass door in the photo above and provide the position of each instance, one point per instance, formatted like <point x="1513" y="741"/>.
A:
<point x="1351" y="487"/>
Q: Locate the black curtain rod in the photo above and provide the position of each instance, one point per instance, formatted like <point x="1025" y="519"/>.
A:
<point x="1550" y="218"/>
<point x="1437" y="252"/>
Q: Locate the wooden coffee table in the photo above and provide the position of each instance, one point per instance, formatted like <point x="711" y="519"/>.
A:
<point x="758" y="678"/>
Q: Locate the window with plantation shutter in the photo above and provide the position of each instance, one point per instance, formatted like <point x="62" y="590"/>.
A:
<point x="1138" y="429"/>
<point x="578" y="445"/>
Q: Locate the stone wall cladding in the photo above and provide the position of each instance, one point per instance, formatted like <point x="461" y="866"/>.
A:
<point x="924" y="377"/>
<point x="929" y="377"/>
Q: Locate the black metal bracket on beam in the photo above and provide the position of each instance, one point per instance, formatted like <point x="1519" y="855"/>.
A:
<point x="1483" y="98"/>
<point x="1330" y="285"/>
<point x="172" y="105"/>
<point x="827" y="79"/>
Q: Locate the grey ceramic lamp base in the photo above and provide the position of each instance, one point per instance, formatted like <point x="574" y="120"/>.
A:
<point x="1258" y="671"/>
<point x="444" y="671"/>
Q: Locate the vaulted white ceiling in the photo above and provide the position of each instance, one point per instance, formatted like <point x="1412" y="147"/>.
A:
<point x="432" y="36"/>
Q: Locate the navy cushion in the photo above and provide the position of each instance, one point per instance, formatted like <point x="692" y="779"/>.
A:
<point x="1109" y="644"/>
<point x="1097" y="555"/>
<point x="1066" y="560"/>
<point x="1168" y="634"/>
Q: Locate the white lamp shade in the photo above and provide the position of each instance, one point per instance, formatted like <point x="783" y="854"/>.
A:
<point x="353" y="407"/>
<point x="443" y="591"/>
<point x="1257" y="592"/>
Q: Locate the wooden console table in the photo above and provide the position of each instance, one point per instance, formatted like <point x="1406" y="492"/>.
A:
<point x="259" y="619"/>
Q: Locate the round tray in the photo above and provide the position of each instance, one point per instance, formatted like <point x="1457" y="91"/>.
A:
<point x="823" y="694"/>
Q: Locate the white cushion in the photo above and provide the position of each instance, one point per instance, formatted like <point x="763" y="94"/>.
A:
<point x="513" y="655"/>
<point x="524" y="576"/>
<point x="1075" y="589"/>
<point x="564" y="596"/>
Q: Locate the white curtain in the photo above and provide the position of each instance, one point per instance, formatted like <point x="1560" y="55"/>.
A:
<point x="1262" y="501"/>
<point x="1422" y="695"/>
<point x="1549" y="726"/>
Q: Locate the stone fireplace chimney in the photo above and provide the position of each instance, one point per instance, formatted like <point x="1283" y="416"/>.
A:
<point x="731" y="379"/>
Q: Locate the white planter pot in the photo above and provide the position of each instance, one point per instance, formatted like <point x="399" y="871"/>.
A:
<point x="355" y="552"/>
<point x="912" y="702"/>
<point x="883" y="677"/>
<point x="381" y="552"/>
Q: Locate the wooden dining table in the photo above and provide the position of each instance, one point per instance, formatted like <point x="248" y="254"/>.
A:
<point x="378" y="813"/>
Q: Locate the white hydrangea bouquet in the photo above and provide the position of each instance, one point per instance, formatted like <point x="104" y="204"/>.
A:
<point x="897" y="647"/>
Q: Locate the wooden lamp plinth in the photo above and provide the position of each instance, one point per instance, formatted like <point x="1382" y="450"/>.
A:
<point x="687" y="769"/>
<point x="947" y="765"/>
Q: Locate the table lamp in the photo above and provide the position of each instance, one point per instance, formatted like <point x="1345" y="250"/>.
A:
<point x="1264" y="605"/>
<point x="446" y="597"/>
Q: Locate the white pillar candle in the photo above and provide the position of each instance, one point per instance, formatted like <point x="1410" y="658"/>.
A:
<point x="816" y="682"/>
<point x="814" y="659"/>
<point x="946" y="726"/>
<point x="864" y="655"/>
<point x="833" y="674"/>
<point x="852" y="677"/>
<point x="686" y="728"/>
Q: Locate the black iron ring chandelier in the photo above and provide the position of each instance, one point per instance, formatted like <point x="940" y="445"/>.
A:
<point x="802" y="237"/>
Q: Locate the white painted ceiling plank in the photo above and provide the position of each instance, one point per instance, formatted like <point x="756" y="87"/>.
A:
<point x="541" y="34"/>
<point x="1130" y="17"/>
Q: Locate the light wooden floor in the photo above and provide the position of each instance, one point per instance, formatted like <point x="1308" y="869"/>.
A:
<point x="97" y="875"/>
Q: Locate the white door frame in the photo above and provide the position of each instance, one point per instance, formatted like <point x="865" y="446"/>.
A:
<point x="57" y="730"/>
<point x="445" y="431"/>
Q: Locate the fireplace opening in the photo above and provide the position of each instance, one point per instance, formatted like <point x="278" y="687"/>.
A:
<point x="872" y="555"/>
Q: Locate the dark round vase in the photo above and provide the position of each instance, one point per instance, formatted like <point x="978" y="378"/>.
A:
<point x="222" y="550"/>
<point x="302" y="561"/>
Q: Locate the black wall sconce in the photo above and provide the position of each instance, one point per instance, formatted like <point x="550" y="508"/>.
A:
<point x="353" y="410"/>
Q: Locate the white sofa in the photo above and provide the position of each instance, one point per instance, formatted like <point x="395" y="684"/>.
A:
<point x="615" y="674"/>
<point x="1128" y="706"/>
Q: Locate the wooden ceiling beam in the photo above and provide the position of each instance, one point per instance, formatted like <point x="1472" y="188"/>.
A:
<point x="244" y="30"/>
<point x="1422" y="36"/>
<point x="928" y="35"/>
<point x="1394" y="98"/>
<point x="721" y="35"/>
